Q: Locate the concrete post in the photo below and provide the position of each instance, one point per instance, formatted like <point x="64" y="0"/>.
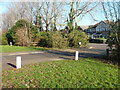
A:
<point x="18" y="62"/>
<point x="76" y="55"/>
<point x="10" y="43"/>
<point x="79" y="43"/>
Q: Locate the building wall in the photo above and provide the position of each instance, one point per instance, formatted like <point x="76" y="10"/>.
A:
<point x="93" y="30"/>
<point x="102" y="27"/>
<point x="101" y="30"/>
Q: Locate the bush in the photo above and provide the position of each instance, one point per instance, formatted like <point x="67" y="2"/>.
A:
<point x="24" y="23"/>
<point x="57" y="40"/>
<point x="51" y="39"/>
<point x="98" y="40"/>
<point x="3" y="39"/>
<point x="11" y="35"/>
<point x="22" y="33"/>
<point x="75" y="37"/>
<point x="42" y="39"/>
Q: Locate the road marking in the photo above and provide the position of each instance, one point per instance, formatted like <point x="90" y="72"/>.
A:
<point x="24" y="53"/>
<point x="18" y="53"/>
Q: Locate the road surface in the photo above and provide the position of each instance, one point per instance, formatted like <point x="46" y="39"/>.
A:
<point x="9" y="59"/>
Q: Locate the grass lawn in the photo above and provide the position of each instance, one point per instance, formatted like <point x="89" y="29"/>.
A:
<point x="7" y="48"/>
<point x="84" y="73"/>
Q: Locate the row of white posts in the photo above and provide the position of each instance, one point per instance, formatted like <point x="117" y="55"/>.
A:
<point x="18" y="60"/>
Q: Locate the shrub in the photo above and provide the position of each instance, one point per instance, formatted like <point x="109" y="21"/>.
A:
<point x="42" y="39"/>
<point x="104" y="40"/>
<point x="51" y="39"/>
<point x="22" y="33"/>
<point x="11" y="35"/>
<point x="75" y="37"/>
<point x="56" y="40"/>
<point x="3" y="39"/>
<point x="97" y="40"/>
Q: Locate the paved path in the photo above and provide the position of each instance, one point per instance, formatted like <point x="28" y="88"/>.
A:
<point x="8" y="59"/>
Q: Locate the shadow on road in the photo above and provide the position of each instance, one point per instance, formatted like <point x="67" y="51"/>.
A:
<point x="66" y="58"/>
<point x="12" y="65"/>
<point x="64" y="53"/>
<point x="82" y="55"/>
<point x="69" y="56"/>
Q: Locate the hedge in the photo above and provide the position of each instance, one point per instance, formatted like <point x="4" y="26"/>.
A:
<point x="98" y="40"/>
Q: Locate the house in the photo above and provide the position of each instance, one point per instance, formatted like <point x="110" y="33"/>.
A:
<point x="99" y="30"/>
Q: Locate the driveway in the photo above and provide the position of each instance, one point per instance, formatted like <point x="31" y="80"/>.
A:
<point x="94" y="50"/>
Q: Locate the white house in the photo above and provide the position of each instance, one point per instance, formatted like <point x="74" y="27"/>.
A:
<point x="102" y="27"/>
<point x="99" y="30"/>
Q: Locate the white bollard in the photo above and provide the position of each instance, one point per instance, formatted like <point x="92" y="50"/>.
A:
<point x="18" y="62"/>
<point x="79" y="43"/>
<point x="76" y="55"/>
<point x="10" y="43"/>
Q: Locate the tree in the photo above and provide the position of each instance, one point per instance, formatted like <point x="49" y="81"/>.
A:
<point x="16" y="11"/>
<point x="78" y="9"/>
<point x="38" y="19"/>
<point x="111" y="11"/>
<point x="22" y="33"/>
<point x="50" y="13"/>
<point x="76" y="36"/>
<point x="3" y="39"/>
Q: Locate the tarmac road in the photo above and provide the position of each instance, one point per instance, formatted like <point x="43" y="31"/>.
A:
<point x="9" y="59"/>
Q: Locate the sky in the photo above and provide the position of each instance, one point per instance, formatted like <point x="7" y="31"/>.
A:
<point x="85" y="21"/>
<point x="3" y="7"/>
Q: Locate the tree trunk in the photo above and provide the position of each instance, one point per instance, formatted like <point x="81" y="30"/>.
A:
<point x="71" y="14"/>
<point x="47" y="25"/>
<point x="118" y="39"/>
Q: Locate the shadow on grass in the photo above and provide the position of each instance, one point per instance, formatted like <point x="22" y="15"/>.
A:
<point x="12" y="65"/>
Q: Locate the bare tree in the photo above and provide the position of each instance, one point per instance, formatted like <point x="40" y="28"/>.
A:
<point x="16" y="11"/>
<point x="46" y="13"/>
<point x="111" y="11"/>
<point x="50" y="13"/>
<point x="80" y="9"/>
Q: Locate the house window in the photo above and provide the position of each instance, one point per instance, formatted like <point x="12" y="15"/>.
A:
<point x="90" y="30"/>
<point x="103" y="29"/>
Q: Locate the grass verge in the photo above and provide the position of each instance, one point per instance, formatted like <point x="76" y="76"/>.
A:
<point x="84" y="73"/>
<point x="7" y="48"/>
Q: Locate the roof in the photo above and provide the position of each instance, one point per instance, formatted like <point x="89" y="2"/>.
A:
<point x="79" y="28"/>
<point x="94" y="26"/>
<point x="84" y="27"/>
